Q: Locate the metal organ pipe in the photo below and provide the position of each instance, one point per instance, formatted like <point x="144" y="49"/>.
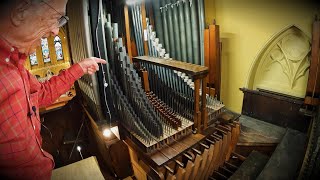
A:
<point x="165" y="26"/>
<point x="195" y="33"/>
<point x="182" y="31"/>
<point x="201" y="28"/>
<point x="158" y="21"/>
<point x="188" y="32"/>
<point x="176" y="30"/>
<point x="170" y="28"/>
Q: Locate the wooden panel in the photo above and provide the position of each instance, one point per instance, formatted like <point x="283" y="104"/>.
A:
<point x="206" y="47"/>
<point x="275" y="109"/>
<point x="190" y="69"/>
<point x="197" y="120"/>
<point x="214" y="58"/>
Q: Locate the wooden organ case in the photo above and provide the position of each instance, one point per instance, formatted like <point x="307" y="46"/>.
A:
<point x="161" y="106"/>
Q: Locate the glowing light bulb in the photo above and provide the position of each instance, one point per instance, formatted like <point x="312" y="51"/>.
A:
<point x="79" y="148"/>
<point x="107" y="133"/>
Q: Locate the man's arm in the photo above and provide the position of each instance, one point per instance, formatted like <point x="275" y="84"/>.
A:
<point x="51" y="90"/>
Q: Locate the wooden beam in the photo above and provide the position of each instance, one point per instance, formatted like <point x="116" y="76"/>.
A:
<point x="214" y="58"/>
<point x="197" y="121"/>
<point x="313" y="86"/>
<point x="144" y="28"/>
<point x="127" y="24"/>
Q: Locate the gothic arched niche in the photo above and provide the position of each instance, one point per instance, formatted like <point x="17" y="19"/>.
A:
<point x="283" y="64"/>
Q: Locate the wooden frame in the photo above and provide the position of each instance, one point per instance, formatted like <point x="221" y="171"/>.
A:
<point x="199" y="75"/>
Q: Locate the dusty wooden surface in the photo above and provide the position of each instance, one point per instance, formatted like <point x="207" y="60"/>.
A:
<point x="84" y="169"/>
<point x="188" y="68"/>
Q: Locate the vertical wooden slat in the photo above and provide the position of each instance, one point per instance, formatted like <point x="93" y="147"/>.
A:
<point x="313" y="86"/>
<point x="144" y="27"/>
<point x="126" y="18"/>
<point x="207" y="54"/>
<point x="146" y="86"/>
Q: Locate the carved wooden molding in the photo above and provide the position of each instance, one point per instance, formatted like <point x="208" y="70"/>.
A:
<point x="283" y="64"/>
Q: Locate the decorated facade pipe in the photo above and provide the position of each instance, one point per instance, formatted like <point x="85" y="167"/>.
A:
<point x="176" y="30"/>
<point x="170" y="29"/>
<point x="195" y="33"/>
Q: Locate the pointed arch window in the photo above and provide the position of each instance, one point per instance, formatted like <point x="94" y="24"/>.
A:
<point x="58" y="48"/>
<point x="33" y="59"/>
<point x="45" y="50"/>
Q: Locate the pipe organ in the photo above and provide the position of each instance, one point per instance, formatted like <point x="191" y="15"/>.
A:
<point x="161" y="105"/>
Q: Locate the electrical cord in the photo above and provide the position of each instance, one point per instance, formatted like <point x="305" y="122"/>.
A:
<point x="105" y="84"/>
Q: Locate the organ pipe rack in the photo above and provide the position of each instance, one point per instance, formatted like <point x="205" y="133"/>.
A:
<point x="198" y="74"/>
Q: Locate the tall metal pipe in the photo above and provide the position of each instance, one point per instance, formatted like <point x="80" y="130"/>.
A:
<point x="134" y="22"/>
<point x="201" y="29"/>
<point x="195" y="33"/>
<point x="182" y="31"/>
<point x="188" y="31"/>
<point x="165" y="26"/>
<point x="158" y="21"/>
<point x="171" y="31"/>
<point x="176" y="31"/>
<point x="140" y="29"/>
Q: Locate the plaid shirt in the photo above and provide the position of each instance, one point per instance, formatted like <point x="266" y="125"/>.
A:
<point x="21" y="95"/>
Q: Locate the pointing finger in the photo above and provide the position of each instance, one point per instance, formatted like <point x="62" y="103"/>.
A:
<point x="98" y="60"/>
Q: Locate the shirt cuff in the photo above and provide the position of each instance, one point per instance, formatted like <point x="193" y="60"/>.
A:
<point x="76" y="71"/>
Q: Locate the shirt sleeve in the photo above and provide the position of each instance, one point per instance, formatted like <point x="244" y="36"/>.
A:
<point x="51" y="90"/>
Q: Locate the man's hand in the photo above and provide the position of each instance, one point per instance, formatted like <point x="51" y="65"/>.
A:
<point x="90" y="65"/>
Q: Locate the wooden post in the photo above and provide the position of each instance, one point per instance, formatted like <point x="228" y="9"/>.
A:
<point x="214" y="58"/>
<point x="127" y="24"/>
<point x="146" y="85"/>
<point x="144" y="27"/>
<point x="313" y="86"/>
<point x="204" y="114"/>
<point x="207" y="55"/>
<point x="197" y="121"/>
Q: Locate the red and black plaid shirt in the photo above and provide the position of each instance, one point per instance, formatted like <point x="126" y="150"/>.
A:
<point x="21" y="95"/>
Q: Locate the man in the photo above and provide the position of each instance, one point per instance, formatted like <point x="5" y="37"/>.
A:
<point x="22" y="24"/>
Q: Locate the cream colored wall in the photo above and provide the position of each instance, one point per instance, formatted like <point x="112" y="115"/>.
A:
<point x="245" y="27"/>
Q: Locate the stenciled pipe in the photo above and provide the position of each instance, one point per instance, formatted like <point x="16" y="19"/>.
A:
<point x="176" y="30"/>
<point x="195" y="33"/>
